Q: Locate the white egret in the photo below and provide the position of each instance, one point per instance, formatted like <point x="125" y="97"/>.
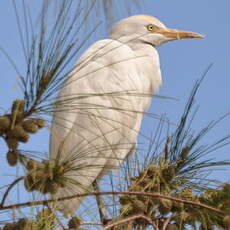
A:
<point x="109" y="83"/>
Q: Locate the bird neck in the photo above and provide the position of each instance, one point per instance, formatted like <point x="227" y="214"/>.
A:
<point x="149" y="64"/>
<point x="137" y="45"/>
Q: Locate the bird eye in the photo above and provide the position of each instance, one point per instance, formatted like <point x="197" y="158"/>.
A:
<point x="152" y="27"/>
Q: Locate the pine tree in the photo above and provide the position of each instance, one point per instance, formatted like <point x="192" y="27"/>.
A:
<point x="166" y="188"/>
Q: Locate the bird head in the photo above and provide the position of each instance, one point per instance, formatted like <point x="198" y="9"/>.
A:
<point x="147" y="29"/>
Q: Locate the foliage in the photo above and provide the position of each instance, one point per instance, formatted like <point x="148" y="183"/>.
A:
<point x="166" y="188"/>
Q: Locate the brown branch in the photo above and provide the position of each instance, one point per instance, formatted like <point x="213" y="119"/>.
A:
<point x="100" y="204"/>
<point x="128" y="219"/>
<point x="91" y="223"/>
<point x="166" y="222"/>
<point x="155" y="195"/>
<point x="9" y="188"/>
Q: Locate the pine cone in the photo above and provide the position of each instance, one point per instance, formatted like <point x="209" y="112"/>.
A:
<point x="29" y="126"/>
<point x="4" y="123"/>
<point x="39" y="122"/>
<point x="19" y="133"/>
<point x="12" y="157"/>
<point x="12" y="142"/>
<point x="74" y="222"/>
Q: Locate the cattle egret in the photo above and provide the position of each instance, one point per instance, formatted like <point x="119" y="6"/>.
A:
<point x="109" y="87"/>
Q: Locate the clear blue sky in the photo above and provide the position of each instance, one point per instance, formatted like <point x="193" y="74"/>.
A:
<point x="182" y="62"/>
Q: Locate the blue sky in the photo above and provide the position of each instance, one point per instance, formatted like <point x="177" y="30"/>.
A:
<point x="182" y="62"/>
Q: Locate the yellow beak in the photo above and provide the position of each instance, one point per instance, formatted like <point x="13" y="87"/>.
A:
<point x="178" y="34"/>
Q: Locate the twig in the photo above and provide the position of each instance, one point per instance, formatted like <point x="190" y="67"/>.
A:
<point x="100" y="204"/>
<point x="155" y="195"/>
<point x="128" y="219"/>
<point x="9" y="188"/>
<point x="166" y="222"/>
<point x="91" y="223"/>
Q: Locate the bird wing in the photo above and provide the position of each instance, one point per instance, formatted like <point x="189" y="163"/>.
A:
<point x="102" y="110"/>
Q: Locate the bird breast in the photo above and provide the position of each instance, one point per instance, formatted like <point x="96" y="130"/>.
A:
<point x="109" y="86"/>
<point x="112" y="66"/>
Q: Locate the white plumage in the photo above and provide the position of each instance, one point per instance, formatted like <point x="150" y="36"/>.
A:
<point x="113" y="78"/>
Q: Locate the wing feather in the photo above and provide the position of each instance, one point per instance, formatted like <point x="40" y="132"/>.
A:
<point x="103" y="93"/>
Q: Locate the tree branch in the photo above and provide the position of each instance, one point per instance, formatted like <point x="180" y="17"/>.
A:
<point x="128" y="219"/>
<point x="155" y="195"/>
<point x="166" y="222"/>
<point x="9" y="188"/>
